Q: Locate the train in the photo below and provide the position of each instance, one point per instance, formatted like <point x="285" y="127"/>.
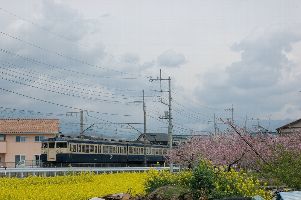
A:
<point x="91" y="151"/>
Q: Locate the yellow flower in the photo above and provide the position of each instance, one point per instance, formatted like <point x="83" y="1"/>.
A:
<point x="83" y="186"/>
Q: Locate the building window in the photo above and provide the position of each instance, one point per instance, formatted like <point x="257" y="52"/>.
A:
<point x="37" y="160"/>
<point x="2" y="137"/>
<point x="20" y="139"/>
<point x="20" y="160"/>
<point x="39" y="138"/>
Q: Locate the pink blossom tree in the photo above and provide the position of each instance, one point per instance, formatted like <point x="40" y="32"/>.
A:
<point x="234" y="147"/>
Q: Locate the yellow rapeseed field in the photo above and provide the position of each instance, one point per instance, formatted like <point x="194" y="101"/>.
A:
<point x="78" y="187"/>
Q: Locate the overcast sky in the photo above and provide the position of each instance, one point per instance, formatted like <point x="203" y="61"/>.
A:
<point x="98" y="56"/>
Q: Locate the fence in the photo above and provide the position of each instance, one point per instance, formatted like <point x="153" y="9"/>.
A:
<point x="24" y="172"/>
<point x="38" y="163"/>
<point x="21" y="164"/>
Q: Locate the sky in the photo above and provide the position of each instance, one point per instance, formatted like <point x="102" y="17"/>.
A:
<point x="57" y="57"/>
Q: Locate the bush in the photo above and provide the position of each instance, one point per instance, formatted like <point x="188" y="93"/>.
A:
<point x="202" y="181"/>
<point x="156" y="179"/>
<point x="285" y="169"/>
<point x="219" y="183"/>
<point x="237" y="184"/>
<point x="209" y="182"/>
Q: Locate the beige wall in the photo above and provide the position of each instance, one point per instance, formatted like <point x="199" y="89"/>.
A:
<point x="292" y="128"/>
<point x="29" y="148"/>
<point x="2" y="147"/>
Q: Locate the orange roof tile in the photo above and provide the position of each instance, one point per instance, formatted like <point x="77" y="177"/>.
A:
<point x="29" y="125"/>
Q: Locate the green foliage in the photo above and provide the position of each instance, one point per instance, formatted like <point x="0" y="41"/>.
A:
<point x="219" y="183"/>
<point x="209" y="182"/>
<point x="285" y="169"/>
<point x="237" y="184"/>
<point x="202" y="181"/>
<point x="156" y="179"/>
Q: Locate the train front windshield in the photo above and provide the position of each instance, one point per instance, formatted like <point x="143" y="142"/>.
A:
<point x="51" y="145"/>
<point x="44" y="145"/>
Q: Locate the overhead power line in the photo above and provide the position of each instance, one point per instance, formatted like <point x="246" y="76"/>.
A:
<point x="68" y="83"/>
<point x="58" y="90"/>
<point x="60" y="105"/>
<point x="33" y="60"/>
<point x="65" y="56"/>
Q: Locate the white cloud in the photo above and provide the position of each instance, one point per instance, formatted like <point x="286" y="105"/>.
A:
<point x="129" y="37"/>
<point x="171" y="58"/>
<point x="263" y="81"/>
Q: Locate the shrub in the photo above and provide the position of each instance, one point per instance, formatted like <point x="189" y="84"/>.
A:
<point x="237" y="184"/>
<point x="285" y="169"/>
<point x="209" y="182"/>
<point x="156" y="179"/>
<point x="202" y="181"/>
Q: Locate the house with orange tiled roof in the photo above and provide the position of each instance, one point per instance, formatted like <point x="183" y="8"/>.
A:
<point x="20" y="140"/>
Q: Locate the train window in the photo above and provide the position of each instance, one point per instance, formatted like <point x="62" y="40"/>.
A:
<point x="130" y="150"/>
<point x="73" y="148"/>
<point x="44" y="145"/>
<point x="99" y="149"/>
<point x="83" y="148"/>
<point x="105" y="149"/>
<point x="51" y="144"/>
<point x="148" y="150"/>
<point x="164" y="151"/>
<point x="135" y="150"/>
<point x="91" y="148"/>
<point x="141" y="150"/>
<point x="95" y="147"/>
<point x="114" y="150"/>
<point x="61" y="145"/>
<point x="111" y="149"/>
<point x="79" y="148"/>
<point x="87" y="148"/>
<point x="124" y="149"/>
<point x="155" y="151"/>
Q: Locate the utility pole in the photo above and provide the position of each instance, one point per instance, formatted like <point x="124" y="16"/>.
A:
<point x="246" y="123"/>
<point x="81" y="120"/>
<point x="232" y="113"/>
<point x="81" y="123"/>
<point x="169" y="110"/>
<point x="144" y="129"/>
<point x="214" y="121"/>
<point x="214" y="124"/>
